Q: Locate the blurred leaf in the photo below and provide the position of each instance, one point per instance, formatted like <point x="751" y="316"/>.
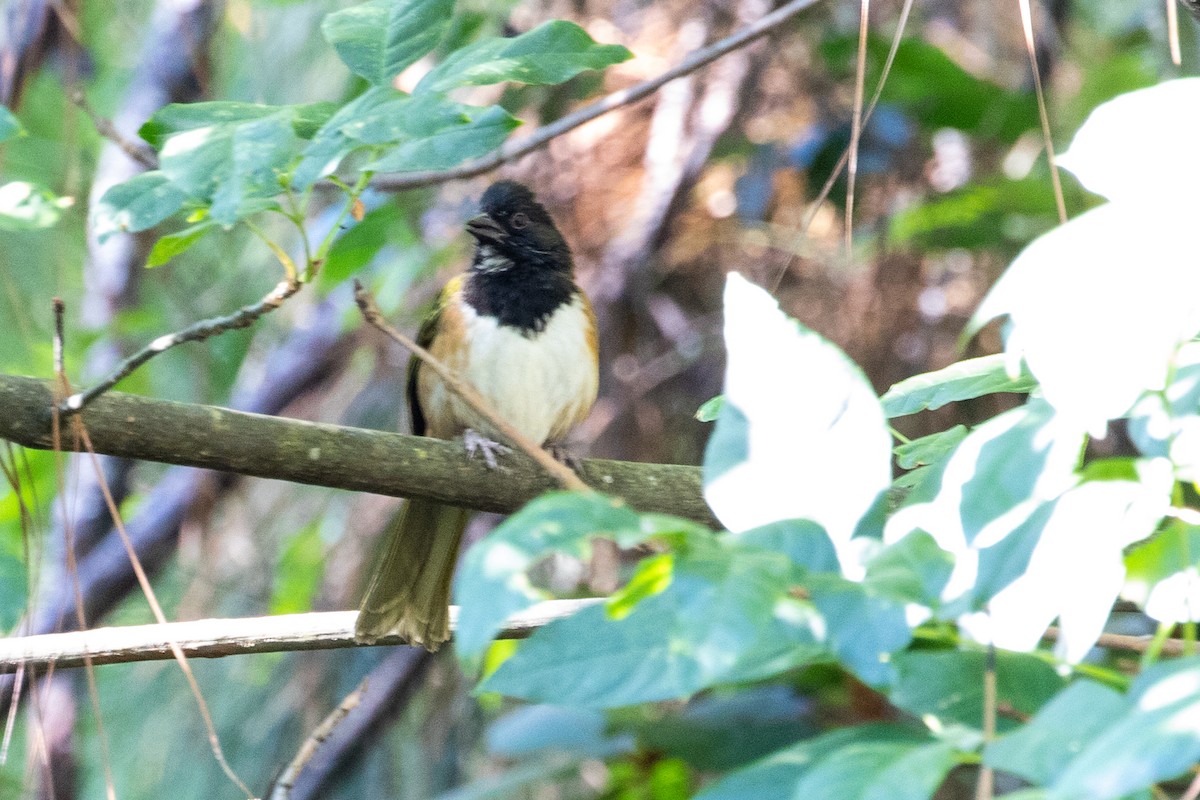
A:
<point x="1091" y="743"/>
<point x="298" y="576"/>
<point x="913" y="570"/>
<point x="533" y="729"/>
<point x="330" y="144"/>
<point x="10" y="126"/>
<point x="516" y="781"/>
<point x="936" y="90"/>
<point x="727" y="731"/>
<point x="492" y="585"/>
<point x="1158" y="739"/>
<point x="949" y="685"/>
<point x="841" y="764"/>
<point x="1168" y="423"/>
<point x="726" y="616"/>
<point x="806" y="417"/>
<point x="930" y="449"/>
<point x="28" y="207"/>
<point x="553" y="52"/>
<point x="479" y="131"/>
<point x="1041" y="749"/>
<point x="964" y="380"/>
<point x="710" y="409"/>
<point x="990" y="213"/>
<point x="355" y="248"/>
<point x="804" y="542"/>
<point x="173" y="244"/>
<point x="139" y="203"/>
<point x="1163" y="575"/>
<point x="862" y="628"/>
<point x="379" y="38"/>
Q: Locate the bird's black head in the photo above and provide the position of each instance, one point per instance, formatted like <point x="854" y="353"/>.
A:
<point x="522" y="269"/>
<point x="514" y="230"/>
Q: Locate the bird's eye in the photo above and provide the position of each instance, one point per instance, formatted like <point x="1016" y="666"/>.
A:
<point x="519" y="220"/>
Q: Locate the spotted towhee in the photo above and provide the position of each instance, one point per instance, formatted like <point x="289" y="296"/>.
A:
<point x="518" y="328"/>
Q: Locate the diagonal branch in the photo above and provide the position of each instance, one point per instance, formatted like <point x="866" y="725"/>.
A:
<point x="513" y="150"/>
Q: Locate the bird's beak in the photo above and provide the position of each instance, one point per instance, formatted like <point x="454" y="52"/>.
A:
<point x="486" y="230"/>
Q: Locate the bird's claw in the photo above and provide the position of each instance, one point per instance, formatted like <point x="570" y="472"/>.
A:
<point x="563" y="454"/>
<point x="476" y="442"/>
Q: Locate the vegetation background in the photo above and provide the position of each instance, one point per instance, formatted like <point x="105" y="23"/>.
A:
<point x="715" y="173"/>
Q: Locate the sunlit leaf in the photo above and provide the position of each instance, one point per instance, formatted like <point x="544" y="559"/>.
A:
<point x="709" y="409"/>
<point x="379" y="38"/>
<point x="1153" y="127"/>
<point x="171" y="245"/>
<point x="801" y="434"/>
<point x="553" y="52"/>
<point x="1168" y="423"/>
<point x="27" y="207"/>
<point x="929" y="449"/>
<point x="964" y="380"/>
<point x="1163" y="575"/>
<point x="863" y="628"/>
<point x="1100" y="305"/>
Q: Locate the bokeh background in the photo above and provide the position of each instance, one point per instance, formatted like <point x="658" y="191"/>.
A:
<point x="717" y="172"/>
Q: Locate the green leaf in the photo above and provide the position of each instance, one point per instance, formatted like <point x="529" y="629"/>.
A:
<point x="1163" y="574"/>
<point x="301" y="566"/>
<point x="10" y="126"/>
<point x="1040" y="750"/>
<point x="479" y="131"/>
<point x="492" y="584"/>
<point x="27" y="207"/>
<point x="725" y="731"/>
<point x="330" y="144"/>
<point x="181" y="117"/>
<point x="930" y="449"/>
<point x="139" y="203"/>
<point x="949" y="685"/>
<point x="709" y="410"/>
<point x="564" y="729"/>
<point x="915" y="775"/>
<point x="965" y="380"/>
<point x="355" y="248"/>
<point x="173" y="244"/>
<point x="912" y="570"/>
<point x="553" y="52"/>
<point x="805" y="543"/>
<point x="379" y="38"/>
<point x="726" y="616"/>
<point x="862" y="628"/>
<point x="806" y="417"/>
<point x="1168" y="423"/>
<point x="846" y="761"/>
<point x="236" y="166"/>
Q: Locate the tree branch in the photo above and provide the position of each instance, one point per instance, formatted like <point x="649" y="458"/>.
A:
<point x="513" y="150"/>
<point x="330" y="455"/>
<point x="139" y="151"/>
<point x="217" y="638"/>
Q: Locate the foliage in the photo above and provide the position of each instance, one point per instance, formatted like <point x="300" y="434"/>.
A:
<point x="1007" y="529"/>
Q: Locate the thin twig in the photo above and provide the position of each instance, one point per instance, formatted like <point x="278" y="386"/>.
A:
<point x="283" y="787"/>
<point x="513" y="150"/>
<point x="856" y="125"/>
<point x="140" y="152"/>
<point x="242" y="318"/>
<point x="218" y="638"/>
<point x="985" y="787"/>
<point x="1043" y="114"/>
<point x="563" y="474"/>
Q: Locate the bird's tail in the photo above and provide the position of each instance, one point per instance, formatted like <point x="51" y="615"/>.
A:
<point x="409" y="594"/>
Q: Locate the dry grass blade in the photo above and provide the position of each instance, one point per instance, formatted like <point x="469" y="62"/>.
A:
<point x="1043" y="115"/>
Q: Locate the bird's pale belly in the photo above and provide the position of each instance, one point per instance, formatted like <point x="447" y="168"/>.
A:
<point x="543" y="383"/>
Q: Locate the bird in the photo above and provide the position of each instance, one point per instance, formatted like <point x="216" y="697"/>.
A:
<point x="518" y="328"/>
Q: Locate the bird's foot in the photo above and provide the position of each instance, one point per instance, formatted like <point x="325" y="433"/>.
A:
<point x="564" y="454"/>
<point x="476" y="442"/>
